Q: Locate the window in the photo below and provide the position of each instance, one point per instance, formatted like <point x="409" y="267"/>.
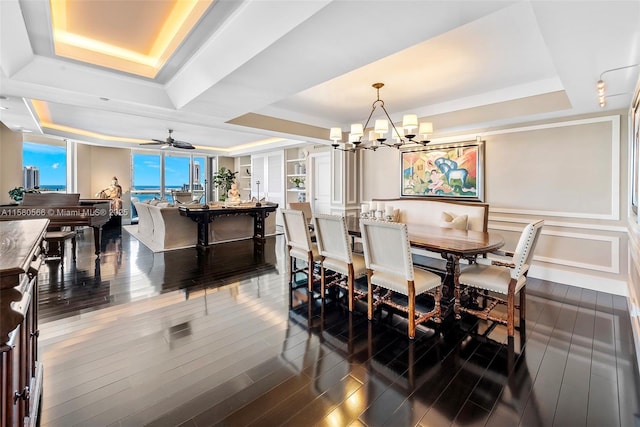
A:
<point x="45" y="166"/>
<point x="159" y="174"/>
<point x="146" y="176"/>
<point x="176" y="174"/>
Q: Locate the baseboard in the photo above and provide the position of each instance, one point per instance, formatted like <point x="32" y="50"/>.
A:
<point x="594" y="283"/>
<point x="586" y="281"/>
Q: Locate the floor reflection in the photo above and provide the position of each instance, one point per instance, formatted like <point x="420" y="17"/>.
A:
<point x="397" y="381"/>
<point x="127" y="271"/>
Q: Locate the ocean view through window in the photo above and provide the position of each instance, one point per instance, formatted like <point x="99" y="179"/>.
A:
<point x="157" y="175"/>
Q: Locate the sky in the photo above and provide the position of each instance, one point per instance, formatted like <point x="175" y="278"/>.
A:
<point x="146" y="170"/>
<point x="51" y="160"/>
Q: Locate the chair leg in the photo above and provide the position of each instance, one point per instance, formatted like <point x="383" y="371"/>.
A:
<point x="350" y="286"/>
<point x="412" y="308"/>
<point x="292" y="266"/>
<point x="310" y="273"/>
<point x="510" y="313"/>
<point x="523" y="304"/>
<point x="322" y="281"/>
<point x="369" y="295"/>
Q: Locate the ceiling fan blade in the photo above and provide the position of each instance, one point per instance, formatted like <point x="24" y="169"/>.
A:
<point x="154" y="143"/>
<point x="159" y="140"/>
<point x="183" y="145"/>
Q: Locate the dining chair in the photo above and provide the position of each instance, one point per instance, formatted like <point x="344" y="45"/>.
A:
<point x="504" y="277"/>
<point x="334" y="246"/>
<point x="387" y="256"/>
<point x="296" y="233"/>
<point x="181" y="197"/>
<point x="304" y="207"/>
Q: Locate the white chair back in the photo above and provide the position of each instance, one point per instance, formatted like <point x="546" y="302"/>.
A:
<point x="524" y="250"/>
<point x="296" y="229"/>
<point x="304" y="207"/>
<point x="180" y="197"/>
<point x="386" y="248"/>
<point x="332" y="237"/>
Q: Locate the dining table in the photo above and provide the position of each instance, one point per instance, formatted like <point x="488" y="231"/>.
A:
<point x="452" y="244"/>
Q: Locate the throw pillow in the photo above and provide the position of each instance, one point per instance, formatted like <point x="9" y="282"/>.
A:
<point x="396" y="215"/>
<point x="451" y="220"/>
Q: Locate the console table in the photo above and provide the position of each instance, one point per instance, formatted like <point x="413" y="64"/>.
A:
<point x="205" y="215"/>
<point x="21" y="372"/>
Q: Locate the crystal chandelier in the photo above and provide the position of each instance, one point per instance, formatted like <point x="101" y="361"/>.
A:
<point x="377" y="137"/>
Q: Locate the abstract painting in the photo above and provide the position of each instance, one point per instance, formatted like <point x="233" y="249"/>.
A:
<point x="452" y="171"/>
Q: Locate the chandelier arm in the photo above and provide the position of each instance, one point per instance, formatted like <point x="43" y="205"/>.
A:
<point x="373" y="108"/>
<point x="394" y="128"/>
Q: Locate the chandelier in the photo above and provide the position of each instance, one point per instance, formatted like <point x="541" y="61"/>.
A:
<point x="377" y="137"/>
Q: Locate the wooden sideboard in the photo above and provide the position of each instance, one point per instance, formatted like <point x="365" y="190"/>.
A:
<point x="21" y="375"/>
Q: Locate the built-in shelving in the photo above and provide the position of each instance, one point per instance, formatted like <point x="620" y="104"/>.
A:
<point x="296" y="167"/>
<point x="244" y="174"/>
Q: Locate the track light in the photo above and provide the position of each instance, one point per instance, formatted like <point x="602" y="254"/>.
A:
<point x="600" y="86"/>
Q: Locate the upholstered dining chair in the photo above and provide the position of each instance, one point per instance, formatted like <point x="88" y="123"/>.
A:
<point x="501" y="277"/>
<point x="181" y="197"/>
<point x="296" y="233"/>
<point x="304" y="207"/>
<point x="387" y="256"/>
<point x="335" y="255"/>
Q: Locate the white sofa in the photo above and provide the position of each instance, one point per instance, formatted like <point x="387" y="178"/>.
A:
<point x="164" y="228"/>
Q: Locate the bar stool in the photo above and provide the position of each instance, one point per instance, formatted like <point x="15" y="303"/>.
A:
<point x="57" y="240"/>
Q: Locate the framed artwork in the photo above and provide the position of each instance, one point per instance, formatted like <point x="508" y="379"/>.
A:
<point x="452" y="171"/>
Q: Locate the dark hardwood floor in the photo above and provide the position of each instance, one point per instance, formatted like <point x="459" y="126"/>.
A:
<point x="190" y="338"/>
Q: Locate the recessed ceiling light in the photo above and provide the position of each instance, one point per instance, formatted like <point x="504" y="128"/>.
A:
<point x="103" y="98"/>
<point x="3" y="97"/>
<point x="3" y="108"/>
<point x="26" y="131"/>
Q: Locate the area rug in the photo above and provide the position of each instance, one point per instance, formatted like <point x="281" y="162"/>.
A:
<point x="155" y="247"/>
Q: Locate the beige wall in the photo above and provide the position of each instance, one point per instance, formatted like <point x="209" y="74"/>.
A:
<point x="106" y="163"/>
<point x="572" y="173"/>
<point x="83" y="171"/>
<point x="10" y="162"/>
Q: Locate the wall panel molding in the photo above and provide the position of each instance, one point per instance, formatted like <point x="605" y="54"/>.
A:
<point x="565" y="224"/>
<point x="614" y="120"/>
<point x="614" y="258"/>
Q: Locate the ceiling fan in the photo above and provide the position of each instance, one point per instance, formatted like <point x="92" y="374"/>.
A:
<point x="170" y="142"/>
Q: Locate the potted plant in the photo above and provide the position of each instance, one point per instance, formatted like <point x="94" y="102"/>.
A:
<point x="17" y="194"/>
<point x="223" y="180"/>
<point x="297" y="181"/>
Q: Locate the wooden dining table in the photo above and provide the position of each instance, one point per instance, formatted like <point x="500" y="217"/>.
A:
<point x="450" y="243"/>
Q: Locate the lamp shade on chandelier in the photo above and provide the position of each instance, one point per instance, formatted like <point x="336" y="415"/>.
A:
<point x="377" y="137"/>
